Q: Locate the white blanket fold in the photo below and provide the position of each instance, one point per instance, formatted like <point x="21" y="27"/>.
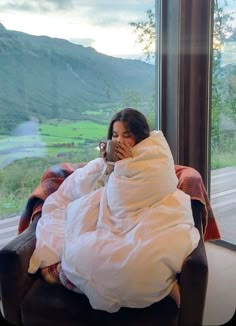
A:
<point x="122" y="244"/>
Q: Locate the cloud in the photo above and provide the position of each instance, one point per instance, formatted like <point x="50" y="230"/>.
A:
<point x="102" y="13"/>
<point x="35" y="5"/>
<point x="82" y="41"/>
<point x="101" y="24"/>
<point x="105" y="12"/>
<point x="111" y="13"/>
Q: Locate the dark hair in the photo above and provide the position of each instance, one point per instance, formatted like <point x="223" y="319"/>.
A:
<point x="134" y="120"/>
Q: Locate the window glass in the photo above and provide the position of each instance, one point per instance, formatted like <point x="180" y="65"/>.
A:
<point x="66" y="67"/>
<point x="223" y="129"/>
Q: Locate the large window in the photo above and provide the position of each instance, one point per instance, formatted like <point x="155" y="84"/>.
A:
<point x="196" y="52"/>
<point x="223" y="117"/>
<point x="66" y="67"/>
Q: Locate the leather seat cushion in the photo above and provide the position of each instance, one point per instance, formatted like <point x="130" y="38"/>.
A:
<point x="58" y="306"/>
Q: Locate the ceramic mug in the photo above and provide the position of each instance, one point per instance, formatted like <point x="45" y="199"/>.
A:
<point x="109" y="147"/>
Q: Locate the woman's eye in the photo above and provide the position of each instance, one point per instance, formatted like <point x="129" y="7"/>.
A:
<point x="127" y="135"/>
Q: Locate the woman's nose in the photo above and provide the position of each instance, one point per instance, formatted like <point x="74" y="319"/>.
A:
<point x="120" y="139"/>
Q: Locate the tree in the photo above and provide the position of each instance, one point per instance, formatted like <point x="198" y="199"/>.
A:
<point x="146" y="35"/>
<point x="224" y="31"/>
<point x="132" y="98"/>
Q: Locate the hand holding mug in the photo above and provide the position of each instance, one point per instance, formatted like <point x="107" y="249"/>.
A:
<point x="124" y="151"/>
<point x="113" y="151"/>
<point x="108" y="151"/>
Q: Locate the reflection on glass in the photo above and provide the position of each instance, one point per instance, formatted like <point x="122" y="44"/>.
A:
<point x="223" y="139"/>
<point x="66" y="67"/>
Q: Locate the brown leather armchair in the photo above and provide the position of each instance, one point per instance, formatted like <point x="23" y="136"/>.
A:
<point x="30" y="301"/>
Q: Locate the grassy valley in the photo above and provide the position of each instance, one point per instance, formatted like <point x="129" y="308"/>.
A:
<point x="44" y="78"/>
<point x="56" y="142"/>
<point x="56" y="99"/>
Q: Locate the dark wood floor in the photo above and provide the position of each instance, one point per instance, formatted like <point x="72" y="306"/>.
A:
<point x="223" y="201"/>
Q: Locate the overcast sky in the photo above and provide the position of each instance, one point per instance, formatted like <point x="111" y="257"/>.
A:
<point x="102" y="24"/>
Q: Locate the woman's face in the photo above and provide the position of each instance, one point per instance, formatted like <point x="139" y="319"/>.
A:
<point x="121" y="134"/>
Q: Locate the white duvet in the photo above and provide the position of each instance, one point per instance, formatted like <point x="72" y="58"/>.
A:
<point x="121" y="244"/>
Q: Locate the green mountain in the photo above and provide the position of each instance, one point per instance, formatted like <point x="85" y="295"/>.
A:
<point x="45" y="77"/>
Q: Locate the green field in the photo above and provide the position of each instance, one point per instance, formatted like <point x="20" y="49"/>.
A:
<point x="25" y="158"/>
<point x="69" y="137"/>
<point x="79" y="132"/>
<point x="53" y="138"/>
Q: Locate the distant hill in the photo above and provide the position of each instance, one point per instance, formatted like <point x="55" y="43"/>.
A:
<point x="43" y="77"/>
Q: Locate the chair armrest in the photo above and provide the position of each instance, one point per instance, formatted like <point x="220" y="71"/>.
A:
<point x="194" y="278"/>
<point x="14" y="278"/>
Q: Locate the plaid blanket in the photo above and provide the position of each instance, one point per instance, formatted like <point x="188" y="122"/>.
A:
<point x="190" y="181"/>
<point x="50" y="182"/>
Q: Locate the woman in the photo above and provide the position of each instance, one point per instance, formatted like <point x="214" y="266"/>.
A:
<point x="127" y="127"/>
<point x="123" y="243"/>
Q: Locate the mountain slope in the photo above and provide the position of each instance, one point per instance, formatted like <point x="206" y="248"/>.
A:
<point x="44" y="77"/>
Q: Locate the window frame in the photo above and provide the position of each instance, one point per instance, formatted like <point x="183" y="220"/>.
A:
<point x="183" y="60"/>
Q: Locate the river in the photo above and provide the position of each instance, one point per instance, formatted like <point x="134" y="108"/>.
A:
<point x="25" y="141"/>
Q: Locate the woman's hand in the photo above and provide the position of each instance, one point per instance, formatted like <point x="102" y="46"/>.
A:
<point x="123" y="151"/>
